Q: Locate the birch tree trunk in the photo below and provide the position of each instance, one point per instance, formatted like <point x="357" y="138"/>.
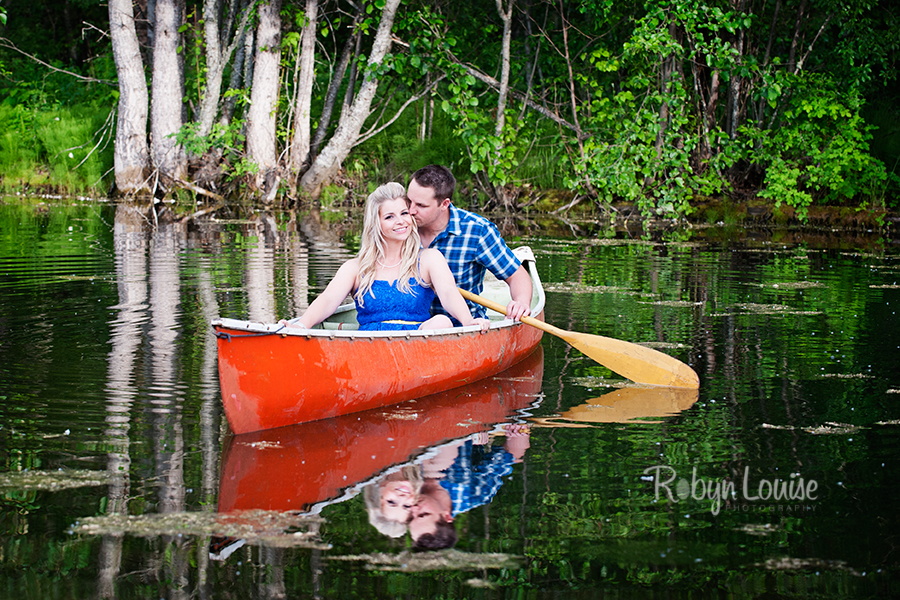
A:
<point x="215" y="67"/>
<point x="220" y="46"/>
<point x="734" y="89"/>
<point x="242" y="70"/>
<point x="506" y="16"/>
<point x="331" y="95"/>
<point x="167" y="91"/>
<point x="329" y="161"/>
<point x="131" y="155"/>
<point x="300" y="144"/>
<point x="261" y="146"/>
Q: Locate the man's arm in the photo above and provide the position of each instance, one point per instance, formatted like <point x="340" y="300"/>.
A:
<point x="520" y="290"/>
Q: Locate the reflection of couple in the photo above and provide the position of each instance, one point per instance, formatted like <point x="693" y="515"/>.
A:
<point x="460" y="476"/>
<point x="398" y="285"/>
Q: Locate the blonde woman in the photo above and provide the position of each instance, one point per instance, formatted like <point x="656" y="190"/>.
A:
<point x="389" y="501"/>
<point x="392" y="279"/>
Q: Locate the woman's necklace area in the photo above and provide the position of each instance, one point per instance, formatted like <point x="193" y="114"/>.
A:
<point x="384" y="266"/>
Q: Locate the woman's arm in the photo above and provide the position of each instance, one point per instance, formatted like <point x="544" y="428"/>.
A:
<point x="434" y="270"/>
<point x="341" y="285"/>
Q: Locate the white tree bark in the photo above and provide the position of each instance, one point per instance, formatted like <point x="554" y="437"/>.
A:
<point x="131" y="155"/>
<point x="261" y="146"/>
<point x="216" y="35"/>
<point x="329" y="161"/>
<point x="300" y="144"/>
<point x="506" y="16"/>
<point x="167" y="91"/>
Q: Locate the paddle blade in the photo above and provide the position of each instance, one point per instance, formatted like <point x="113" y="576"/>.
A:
<point x="633" y="404"/>
<point x="637" y="363"/>
<point x="633" y="361"/>
<point x="625" y="405"/>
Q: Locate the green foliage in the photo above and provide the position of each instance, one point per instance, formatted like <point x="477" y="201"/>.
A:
<point x="643" y="94"/>
<point x="544" y="167"/>
<point x="475" y="127"/>
<point x="645" y="137"/>
<point x="68" y="149"/>
<point x="226" y="137"/>
<point x="819" y="152"/>
<point x="243" y="167"/>
<point x="332" y="195"/>
<point x="194" y="53"/>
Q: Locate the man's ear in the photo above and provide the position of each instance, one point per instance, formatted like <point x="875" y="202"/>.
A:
<point x="448" y="517"/>
<point x="445" y="203"/>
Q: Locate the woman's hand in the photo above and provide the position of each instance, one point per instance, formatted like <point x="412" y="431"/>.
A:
<point x="483" y="323"/>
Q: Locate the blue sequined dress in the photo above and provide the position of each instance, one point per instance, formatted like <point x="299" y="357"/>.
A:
<point x="388" y="304"/>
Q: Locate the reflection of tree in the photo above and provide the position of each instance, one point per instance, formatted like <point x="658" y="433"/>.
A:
<point x="209" y="407"/>
<point x="324" y="251"/>
<point x="165" y="396"/>
<point x="298" y="270"/>
<point x="130" y="246"/>
<point x="260" y="271"/>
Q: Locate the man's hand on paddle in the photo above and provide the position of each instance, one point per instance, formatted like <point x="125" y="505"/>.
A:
<point x="520" y="291"/>
<point x="517" y="310"/>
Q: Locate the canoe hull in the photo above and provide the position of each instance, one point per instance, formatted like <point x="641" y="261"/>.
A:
<point x="302" y="467"/>
<point x="272" y="381"/>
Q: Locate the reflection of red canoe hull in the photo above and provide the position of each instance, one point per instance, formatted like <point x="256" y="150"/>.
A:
<point x="293" y="468"/>
<point x="271" y="380"/>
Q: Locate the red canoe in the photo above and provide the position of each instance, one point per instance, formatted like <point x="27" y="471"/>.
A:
<point x="304" y="467"/>
<point x="272" y="376"/>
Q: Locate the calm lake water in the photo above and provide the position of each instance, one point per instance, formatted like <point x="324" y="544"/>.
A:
<point x="119" y="477"/>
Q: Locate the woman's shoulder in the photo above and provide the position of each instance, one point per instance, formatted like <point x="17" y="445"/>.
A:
<point x="349" y="271"/>
<point x="430" y="255"/>
<point x="352" y="264"/>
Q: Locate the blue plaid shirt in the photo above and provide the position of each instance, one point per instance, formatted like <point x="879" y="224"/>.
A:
<point x="472" y="244"/>
<point x="476" y="475"/>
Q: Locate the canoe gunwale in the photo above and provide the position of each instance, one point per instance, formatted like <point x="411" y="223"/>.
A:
<point x="259" y="328"/>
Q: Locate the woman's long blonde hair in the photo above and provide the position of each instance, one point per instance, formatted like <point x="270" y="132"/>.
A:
<point x="371" y="248"/>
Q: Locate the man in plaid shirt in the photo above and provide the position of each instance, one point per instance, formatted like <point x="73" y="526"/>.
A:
<point x="470" y="243"/>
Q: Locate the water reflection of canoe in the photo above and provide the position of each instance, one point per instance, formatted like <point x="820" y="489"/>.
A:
<point x="297" y="468"/>
<point x="626" y="405"/>
<point x="271" y="380"/>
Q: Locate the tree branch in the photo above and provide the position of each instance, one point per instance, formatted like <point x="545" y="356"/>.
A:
<point x="5" y="43"/>
<point x="484" y="78"/>
<point x="373" y="132"/>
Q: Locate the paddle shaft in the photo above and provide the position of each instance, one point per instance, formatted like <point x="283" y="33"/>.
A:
<point x="496" y="306"/>
<point x="638" y="363"/>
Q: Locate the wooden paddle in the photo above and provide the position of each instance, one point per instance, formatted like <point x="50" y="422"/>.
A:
<point x="637" y="363"/>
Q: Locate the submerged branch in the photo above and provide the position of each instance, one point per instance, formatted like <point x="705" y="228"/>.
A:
<point x="199" y="190"/>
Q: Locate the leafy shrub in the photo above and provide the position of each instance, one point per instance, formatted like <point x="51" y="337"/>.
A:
<point x="819" y="152"/>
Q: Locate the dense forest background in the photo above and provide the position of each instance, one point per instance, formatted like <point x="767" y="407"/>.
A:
<point x="660" y="104"/>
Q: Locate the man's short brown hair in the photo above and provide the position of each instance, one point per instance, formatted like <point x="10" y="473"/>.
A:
<point x="444" y="536"/>
<point x="438" y="178"/>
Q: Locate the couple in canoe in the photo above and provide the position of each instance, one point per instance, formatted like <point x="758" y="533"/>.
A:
<point x="416" y="248"/>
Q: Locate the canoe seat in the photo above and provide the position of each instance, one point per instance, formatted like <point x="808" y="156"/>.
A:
<point x="341" y="326"/>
